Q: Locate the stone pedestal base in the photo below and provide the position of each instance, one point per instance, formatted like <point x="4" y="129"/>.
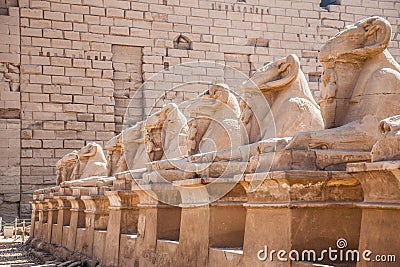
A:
<point x="380" y="223"/>
<point x="127" y="250"/>
<point x="194" y="236"/>
<point x="225" y="257"/>
<point x="300" y="211"/>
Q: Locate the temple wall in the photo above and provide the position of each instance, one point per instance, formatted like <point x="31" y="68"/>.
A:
<point x="10" y="100"/>
<point x="81" y="61"/>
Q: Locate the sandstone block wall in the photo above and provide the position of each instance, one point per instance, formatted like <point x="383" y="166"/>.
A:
<point x="69" y="68"/>
<point x="10" y="102"/>
<point x="5" y="4"/>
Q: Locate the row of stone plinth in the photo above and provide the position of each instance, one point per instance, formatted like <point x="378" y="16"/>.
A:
<point x="120" y="222"/>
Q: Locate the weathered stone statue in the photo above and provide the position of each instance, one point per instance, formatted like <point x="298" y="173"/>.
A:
<point x="133" y="146"/>
<point x="91" y="162"/>
<point x="292" y="107"/>
<point x="366" y="82"/>
<point x="388" y="145"/>
<point x="192" y="142"/>
<point x="125" y="150"/>
<point x="276" y="103"/>
<point x="115" y="155"/>
<point x="164" y="129"/>
<point x="153" y="151"/>
<point x="358" y="61"/>
<point x="217" y="120"/>
<point x="65" y="167"/>
<point x="246" y="115"/>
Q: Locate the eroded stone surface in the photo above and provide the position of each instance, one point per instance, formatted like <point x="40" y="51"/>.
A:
<point x="214" y="121"/>
<point x="91" y="162"/>
<point x="361" y="87"/>
<point x="65" y="167"/>
<point x="164" y="129"/>
<point x="367" y="81"/>
<point x="292" y="108"/>
<point x="133" y="146"/>
<point x="388" y="145"/>
<point x="115" y="156"/>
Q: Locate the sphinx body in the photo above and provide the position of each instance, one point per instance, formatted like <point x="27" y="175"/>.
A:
<point x="65" y="167"/>
<point x="115" y="155"/>
<point x="215" y="121"/>
<point x="164" y="131"/>
<point x="366" y="76"/>
<point x="91" y="162"/>
<point x="133" y="146"/>
<point x="125" y="150"/>
<point x="360" y="92"/>
<point x="388" y="145"/>
<point x="291" y="107"/>
<point x="361" y="87"/>
<point x="276" y="103"/>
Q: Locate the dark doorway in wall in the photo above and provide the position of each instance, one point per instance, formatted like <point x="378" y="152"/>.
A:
<point x="127" y="78"/>
<point x="325" y="3"/>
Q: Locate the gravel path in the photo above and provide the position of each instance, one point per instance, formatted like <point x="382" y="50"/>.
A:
<point x="16" y="254"/>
